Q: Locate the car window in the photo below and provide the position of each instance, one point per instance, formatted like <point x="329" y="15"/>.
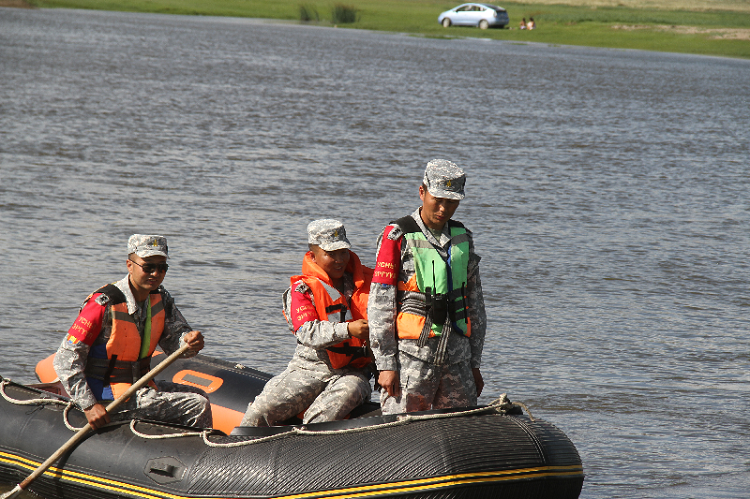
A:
<point x="465" y="8"/>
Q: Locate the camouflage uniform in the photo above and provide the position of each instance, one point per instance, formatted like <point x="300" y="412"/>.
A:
<point x="171" y="403"/>
<point x="425" y="385"/>
<point x="310" y="381"/>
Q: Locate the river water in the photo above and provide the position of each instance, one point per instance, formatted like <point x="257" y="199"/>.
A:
<point x="607" y="191"/>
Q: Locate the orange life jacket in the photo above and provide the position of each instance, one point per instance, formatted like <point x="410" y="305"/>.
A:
<point x="332" y="306"/>
<point x="122" y="366"/>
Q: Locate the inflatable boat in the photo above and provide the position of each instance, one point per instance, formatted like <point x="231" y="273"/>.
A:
<point x="492" y="451"/>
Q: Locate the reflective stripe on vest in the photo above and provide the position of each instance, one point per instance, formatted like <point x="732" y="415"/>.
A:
<point x="438" y="286"/>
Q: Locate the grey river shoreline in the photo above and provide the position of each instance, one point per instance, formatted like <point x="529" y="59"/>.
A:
<point x="607" y="191"/>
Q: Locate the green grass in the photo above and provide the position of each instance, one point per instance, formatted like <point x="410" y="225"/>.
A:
<point x="557" y="24"/>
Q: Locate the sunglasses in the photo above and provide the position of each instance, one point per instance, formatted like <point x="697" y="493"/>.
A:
<point x="150" y="268"/>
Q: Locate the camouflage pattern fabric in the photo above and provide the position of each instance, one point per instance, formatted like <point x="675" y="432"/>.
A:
<point x="148" y="245"/>
<point x="425" y="386"/>
<point x="293" y="391"/>
<point x="171" y="403"/>
<point x="329" y="234"/>
<point x="382" y="311"/>
<point x="444" y="179"/>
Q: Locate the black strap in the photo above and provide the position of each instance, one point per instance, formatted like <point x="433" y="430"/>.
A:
<point x="113" y="293"/>
<point x="346" y="350"/>
<point x="116" y="371"/>
<point x="340" y="307"/>
<point x="422" y="304"/>
<point x="355" y="352"/>
<point x="407" y="224"/>
<point x="110" y="368"/>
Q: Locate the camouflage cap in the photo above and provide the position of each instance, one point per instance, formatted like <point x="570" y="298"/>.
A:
<point x="329" y="234"/>
<point x="145" y="246"/>
<point x="444" y="179"/>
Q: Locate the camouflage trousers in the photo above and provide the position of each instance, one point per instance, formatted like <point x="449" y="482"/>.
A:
<point x="425" y="386"/>
<point x="171" y="403"/>
<point x="293" y="391"/>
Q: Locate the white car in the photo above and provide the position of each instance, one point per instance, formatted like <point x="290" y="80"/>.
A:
<point x="482" y="15"/>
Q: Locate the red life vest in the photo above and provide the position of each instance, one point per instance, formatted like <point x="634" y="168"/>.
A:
<point x="332" y="306"/>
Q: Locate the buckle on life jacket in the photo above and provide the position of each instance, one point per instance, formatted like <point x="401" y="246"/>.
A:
<point x="340" y="307"/>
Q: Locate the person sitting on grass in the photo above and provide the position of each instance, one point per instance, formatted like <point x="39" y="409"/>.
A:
<point x="326" y="309"/>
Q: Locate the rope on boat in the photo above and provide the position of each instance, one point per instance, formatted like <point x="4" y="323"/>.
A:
<point x="6" y="382"/>
<point x="68" y="405"/>
<point x="188" y="433"/>
<point x="500" y="406"/>
<point x="65" y="418"/>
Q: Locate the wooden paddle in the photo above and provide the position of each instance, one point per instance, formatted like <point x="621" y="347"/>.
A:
<point x="84" y="431"/>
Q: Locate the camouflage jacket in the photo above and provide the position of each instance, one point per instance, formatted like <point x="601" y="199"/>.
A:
<point x="382" y="308"/>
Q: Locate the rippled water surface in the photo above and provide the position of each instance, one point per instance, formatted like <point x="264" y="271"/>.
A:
<point x="607" y="191"/>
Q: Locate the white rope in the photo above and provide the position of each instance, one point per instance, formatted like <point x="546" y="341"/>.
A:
<point x="248" y="442"/>
<point x="7" y="397"/>
<point x="65" y="418"/>
<point x="402" y="420"/>
<point x="168" y="435"/>
<point x="501" y="405"/>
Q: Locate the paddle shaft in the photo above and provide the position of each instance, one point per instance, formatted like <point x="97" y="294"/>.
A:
<point x="84" y="431"/>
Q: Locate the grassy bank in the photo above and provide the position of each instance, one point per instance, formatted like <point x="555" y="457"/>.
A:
<point x="708" y="27"/>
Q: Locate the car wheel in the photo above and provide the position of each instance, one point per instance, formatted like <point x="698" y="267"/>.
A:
<point x="446" y="23"/>
<point x="483" y="24"/>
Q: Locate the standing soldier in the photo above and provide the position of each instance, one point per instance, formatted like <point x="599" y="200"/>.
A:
<point x="426" y="308"/>
<point x="109" y="346"/>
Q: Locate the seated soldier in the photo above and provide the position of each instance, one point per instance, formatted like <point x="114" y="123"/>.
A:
<point x="326" y="309"/>
<point x="109" y="346"/>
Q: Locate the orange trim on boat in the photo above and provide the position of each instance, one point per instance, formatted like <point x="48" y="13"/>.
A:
<point x="204" y="381"/>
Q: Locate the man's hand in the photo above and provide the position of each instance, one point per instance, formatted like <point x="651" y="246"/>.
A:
<point x="97" y="416"/>
<point x="195" y="340"/>
<point x="388" y="381"/>
<point x="478" y="380"/>
<point x="358" y="329"/>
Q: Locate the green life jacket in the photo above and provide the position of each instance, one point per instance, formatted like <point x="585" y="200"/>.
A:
<point x="440" y="292"/>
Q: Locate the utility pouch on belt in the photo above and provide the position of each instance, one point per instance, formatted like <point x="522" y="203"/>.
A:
<point x="439" y="309"/>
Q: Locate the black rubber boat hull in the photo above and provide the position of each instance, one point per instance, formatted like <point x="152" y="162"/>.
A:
<point x="486" y="455"/>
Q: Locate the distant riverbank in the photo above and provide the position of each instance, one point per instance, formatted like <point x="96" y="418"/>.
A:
<point x="707" y="27"/>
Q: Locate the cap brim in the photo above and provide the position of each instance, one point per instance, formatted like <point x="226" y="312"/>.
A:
<point x="146" y="254"/>
<point x="446" y="194"/>
<point x="336" y="246"/>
